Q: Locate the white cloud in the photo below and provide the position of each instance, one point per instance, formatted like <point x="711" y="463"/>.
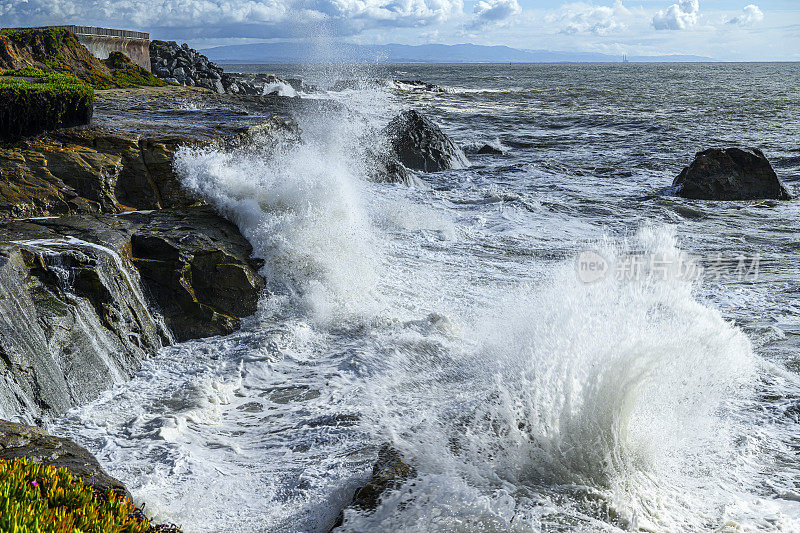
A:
<point x="580" y="17"/>
<point x="749" y="16"/>
<point x="678" y="16"/>
<point x="494" y="11"/>
<point x="234" y="18"/>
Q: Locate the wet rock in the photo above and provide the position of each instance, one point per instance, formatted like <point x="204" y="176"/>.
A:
<point x="301" y="86"/>
<point x="275" y="131"/>
<point x="197" y="268"/>
<point x="420" y="86"/>
<point x="420" y="144"/>
<point x="386" y="168"/>
<point x="17" y="440"/>
<point x="73" y="317"/>
<point x="85" y="299"/>
<point x="389" y="472"/>
<point x="85" y="171"/>
<point x="488" y="149"/>
<point x="730" y="174"/>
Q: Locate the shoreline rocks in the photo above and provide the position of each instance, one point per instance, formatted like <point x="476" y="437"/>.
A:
<point x="389" y="472"/>
<point x="105" y="257"/>
<point x="420" y="144"/>
<point x="730" y="174"/>
<point x="182" y="65"/>
<point x="88" y="298"/>
<point x="185" y="66"/>
<point x="197" y="268"/>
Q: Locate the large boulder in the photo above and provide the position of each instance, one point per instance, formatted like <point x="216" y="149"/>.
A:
<point x="420" y="144"/>
<point x="730" y="174"/>
<point x="197" y="268"/>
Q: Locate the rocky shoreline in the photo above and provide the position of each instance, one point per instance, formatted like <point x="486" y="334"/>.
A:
<point x="105" y="257"/>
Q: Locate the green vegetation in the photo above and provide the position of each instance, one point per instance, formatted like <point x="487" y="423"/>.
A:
<point x="57" y="50"/>
<point x="50" y="101"/>
<point x="39" y="498"/>
<point x="28" y="72"/>
<point x="46" y="86"/>
<point x="128" y="74"/>
<point x="53" y="38"/>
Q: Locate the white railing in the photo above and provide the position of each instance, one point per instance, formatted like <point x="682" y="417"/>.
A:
<point x="93" y="30"/>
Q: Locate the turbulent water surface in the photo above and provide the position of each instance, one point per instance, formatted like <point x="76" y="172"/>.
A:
<point x="450" y="320"/>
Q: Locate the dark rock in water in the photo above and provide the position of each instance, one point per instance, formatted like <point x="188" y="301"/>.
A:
<point x="421" y="145"/>
<point x="421" y="86"/>
<point x="389" y="472"/>
<point x="389" y="170"/>
<point x="197" y="268"/>
<point x="301" y="86"/>
<point x="17" y="440"/>
<point x="730" y="174"/>
<point x="274" y="131"/>
<point x="386" y="168"/>
<point x="488" y="149"/>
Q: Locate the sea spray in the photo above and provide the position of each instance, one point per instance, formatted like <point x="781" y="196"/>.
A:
<point x="615" y="390"/>
<point x="301" y="208"/>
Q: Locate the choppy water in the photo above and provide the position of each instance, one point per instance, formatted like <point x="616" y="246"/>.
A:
<point x="451" y="321"/>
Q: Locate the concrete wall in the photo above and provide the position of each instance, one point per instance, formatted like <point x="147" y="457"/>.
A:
<point x="101" y="46"/>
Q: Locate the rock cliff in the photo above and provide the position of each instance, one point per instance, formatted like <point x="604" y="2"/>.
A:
<point x="105" y="258"/>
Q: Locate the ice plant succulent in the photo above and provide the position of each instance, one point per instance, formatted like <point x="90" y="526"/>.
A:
<point x="40" y="498"/>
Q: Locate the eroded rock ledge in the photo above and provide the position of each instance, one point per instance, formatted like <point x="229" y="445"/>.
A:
<point x="105" y="258"/>
<point x="86" y="298"/>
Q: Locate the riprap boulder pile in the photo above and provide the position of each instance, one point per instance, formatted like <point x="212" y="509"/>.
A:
<point x="185" y="66"/>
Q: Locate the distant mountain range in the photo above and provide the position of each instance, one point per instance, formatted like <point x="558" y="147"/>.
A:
<point x="426" y="53"/>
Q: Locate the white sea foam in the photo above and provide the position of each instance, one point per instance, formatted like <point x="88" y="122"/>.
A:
<point x="281" y="89"/>
<point x="302" y="212"/>
<point x="618" y="394"/>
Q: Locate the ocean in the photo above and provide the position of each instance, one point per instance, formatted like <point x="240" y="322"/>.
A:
<point x="462" y="321"/>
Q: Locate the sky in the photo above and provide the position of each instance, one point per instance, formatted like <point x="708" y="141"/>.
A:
<point x="746" y="30"/>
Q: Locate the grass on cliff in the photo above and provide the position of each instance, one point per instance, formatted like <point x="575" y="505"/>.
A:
<point x="53" y="38"/>
<point x="51" y="87"/>
<point x="129" y="74"/>
<point x="38" y="498"/>
<point x="58" y="51"/>
<point x="48" y="101"/>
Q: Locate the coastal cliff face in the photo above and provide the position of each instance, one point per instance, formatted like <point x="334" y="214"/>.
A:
<point x="105" y="258"/>
<point x="86" y="299"/>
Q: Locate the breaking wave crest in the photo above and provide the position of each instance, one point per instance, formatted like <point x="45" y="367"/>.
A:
<point x="301" y="209"/>
<point x="616" y="396"/>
